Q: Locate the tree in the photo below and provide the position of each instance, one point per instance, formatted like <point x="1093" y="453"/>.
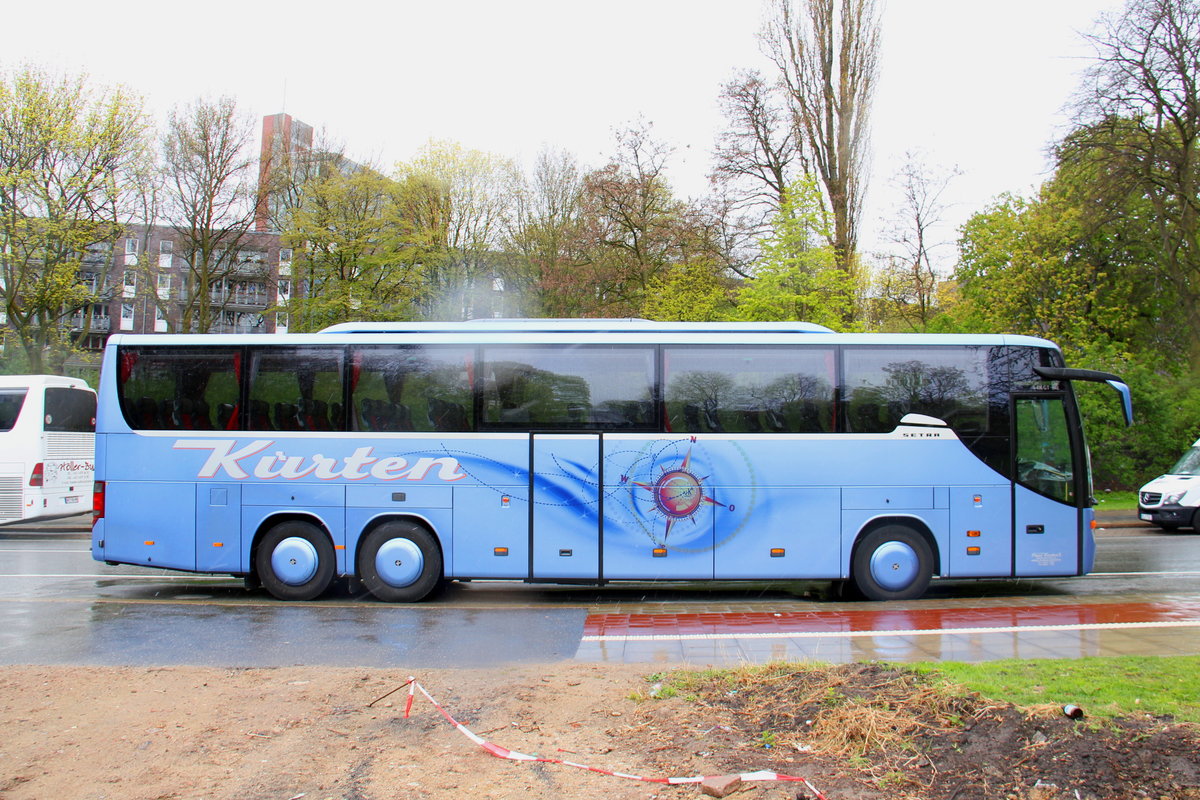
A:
<point x="908" y="282"/>
<point x="755" y="161"/>
<point x="826" y="52"/>
<point x="1139" y="119"/>
<point x="67" y="151"/>
<point x="631" y="230"/>
<point x="543" y="225"/>
<point x="798" y="277"/>
<point x="693" y="292"/>
<point x="359" y="256"/>
<point x="464" y="198"/>
<point x="209" y="200"/>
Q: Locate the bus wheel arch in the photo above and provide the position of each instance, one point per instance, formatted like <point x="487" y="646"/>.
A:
<point x="894" y="558"/>
<point x="293" y="557"/>
<point x="399" y="560"/>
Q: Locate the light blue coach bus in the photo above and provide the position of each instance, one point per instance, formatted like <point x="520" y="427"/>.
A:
<point x="586" y="451"/>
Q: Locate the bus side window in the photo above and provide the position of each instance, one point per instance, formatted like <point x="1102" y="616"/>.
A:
<point x="178" y="388"/>
<point x="411" y="388"/>
<point x="884" y="383"/>
<point x="749" y="389"/>
<point x="291" y="388"/>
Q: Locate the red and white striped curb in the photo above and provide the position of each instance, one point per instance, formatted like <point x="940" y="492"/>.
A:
<point x="512" y="755"/>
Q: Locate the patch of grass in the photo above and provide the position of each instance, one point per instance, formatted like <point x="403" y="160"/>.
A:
<point x="1116" y="501"/>
<point x="1102" y="687"/>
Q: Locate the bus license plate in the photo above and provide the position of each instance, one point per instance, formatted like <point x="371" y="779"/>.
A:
<point x="70" y="500"/>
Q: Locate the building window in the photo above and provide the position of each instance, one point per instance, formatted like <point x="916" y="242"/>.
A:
<point x="160" y="320"/>
<point x="126" y="316"/>
<point x="165" y="249"/>
<point x="131" y="251"/>
<point x="130" y="287"/>
<point x="164" y="287"/>
<point x="285" y="291"/>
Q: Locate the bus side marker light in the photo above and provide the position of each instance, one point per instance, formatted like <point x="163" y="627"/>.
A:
<point x="148" y="544"/>
<point x="1095" y="524"/>
<point x="505" y="501"/>
<point x="974" y="534"/>
<point x="566" y="553"/>
<point x="659" y="552"/>
<point x="339" y="547"/>
<point x="500" y="551"/>
<point x="38" y="476"/>
<point x="972" y="551"/>
<point x="218" y="544"/>
<point x="777" y="552"/>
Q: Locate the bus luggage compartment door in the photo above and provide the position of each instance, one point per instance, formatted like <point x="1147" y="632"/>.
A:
<point x="566" y="516"/>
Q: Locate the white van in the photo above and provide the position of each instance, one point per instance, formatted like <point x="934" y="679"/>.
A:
<point x="1173" y="500"/>
<point x="47" y="446"/>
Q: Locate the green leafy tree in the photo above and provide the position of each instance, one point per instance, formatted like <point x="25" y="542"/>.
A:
<point x="464" y="198"/>
<point x="67" y="154"/>
<point x="359" y="255"/>
<point x="692" y="292"/>
<point x="798" y="276"/>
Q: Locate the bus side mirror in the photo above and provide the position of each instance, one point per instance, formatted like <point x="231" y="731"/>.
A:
<point x="1126" y="400"/>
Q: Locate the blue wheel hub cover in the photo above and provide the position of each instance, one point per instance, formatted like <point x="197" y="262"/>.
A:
<point x="399" y="562"/>
<point x="895" y="565"/>
<point x="295" y="561"/>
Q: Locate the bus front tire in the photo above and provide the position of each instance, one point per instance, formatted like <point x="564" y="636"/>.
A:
<point x="893" y="562"/>
<point x="295" y="561"/>
<point x="399" y="562"/>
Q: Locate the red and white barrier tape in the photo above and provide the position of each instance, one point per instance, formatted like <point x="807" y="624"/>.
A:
<point x="512" y="755"/>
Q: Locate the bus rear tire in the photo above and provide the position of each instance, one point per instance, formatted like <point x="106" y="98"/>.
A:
<point x="893" y="562"/>
<point x="295" y="561"/>
<point x="399" y="562"/>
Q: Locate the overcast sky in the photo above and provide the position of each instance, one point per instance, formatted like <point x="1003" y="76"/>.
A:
<point x="980" y="87"/>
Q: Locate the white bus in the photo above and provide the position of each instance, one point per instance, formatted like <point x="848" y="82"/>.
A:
<point x="47" y="445"/>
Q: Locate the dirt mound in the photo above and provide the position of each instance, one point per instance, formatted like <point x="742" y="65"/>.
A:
<point x="867" y="731"/>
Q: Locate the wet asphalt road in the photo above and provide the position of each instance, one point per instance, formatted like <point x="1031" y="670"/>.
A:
<point x="58" y="606"/>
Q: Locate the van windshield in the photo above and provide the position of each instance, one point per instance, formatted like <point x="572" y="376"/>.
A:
<point x="11" y="401"/>
<point x="1189" y="464"/>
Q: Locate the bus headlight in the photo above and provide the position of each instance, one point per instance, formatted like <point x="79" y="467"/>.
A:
<point x="1174" y="499"/>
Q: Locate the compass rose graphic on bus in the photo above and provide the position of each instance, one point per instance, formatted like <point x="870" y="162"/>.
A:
<point x="678" y="493"/>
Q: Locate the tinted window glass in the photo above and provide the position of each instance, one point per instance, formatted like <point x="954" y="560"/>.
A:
<point x="295" y="389"/>
<point x="1044" y="461"/>
<point x="566" y="387"/>
<point x="882" y="384"/>
<point x="749" y="389"/>
<point x="179" y="388"/>
<point x="412" y="389"/>
<point x="70" y="410"/>
<point x="11" y="401"/>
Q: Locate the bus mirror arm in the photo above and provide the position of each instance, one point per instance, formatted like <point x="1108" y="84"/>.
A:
<point x="1061" y="374"/>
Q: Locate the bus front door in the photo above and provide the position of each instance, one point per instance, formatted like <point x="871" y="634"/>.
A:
<point x="1045" y="517"/>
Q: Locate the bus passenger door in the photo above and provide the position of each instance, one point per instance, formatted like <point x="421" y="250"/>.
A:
<point x="566" y="514"/>
<point x="1045" y="514"/>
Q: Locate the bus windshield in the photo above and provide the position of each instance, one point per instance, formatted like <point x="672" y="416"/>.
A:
<point x="1189" y="464"/>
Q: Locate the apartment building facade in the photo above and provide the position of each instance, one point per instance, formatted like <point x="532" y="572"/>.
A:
<point x="145" y="284"/>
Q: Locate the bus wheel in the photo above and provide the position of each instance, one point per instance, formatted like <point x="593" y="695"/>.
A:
<point x="399" y="562"/>
<point x="892" y="563"/>
<point x="295" y="561"/>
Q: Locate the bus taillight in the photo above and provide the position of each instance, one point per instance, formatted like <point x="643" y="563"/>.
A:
<point x="97" y="501"/>
<point x="38" y="477"/>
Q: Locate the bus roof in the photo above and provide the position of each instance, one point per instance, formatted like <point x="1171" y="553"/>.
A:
<point x="14" y="381"/>
<point x="468" y="334"/>
<point x="628" y="325"/>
